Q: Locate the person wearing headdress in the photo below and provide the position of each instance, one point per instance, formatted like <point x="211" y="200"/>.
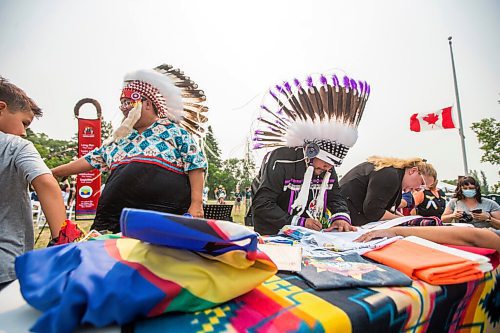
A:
<point x="313" y="124"/>
<point x="373" y="189"/>
<point x="153" y="156"/>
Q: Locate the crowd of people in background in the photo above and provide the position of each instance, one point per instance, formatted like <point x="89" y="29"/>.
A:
<point x="238" y="197"/>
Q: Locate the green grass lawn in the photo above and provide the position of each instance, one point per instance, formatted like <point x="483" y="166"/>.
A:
<point x="238" y="217"/>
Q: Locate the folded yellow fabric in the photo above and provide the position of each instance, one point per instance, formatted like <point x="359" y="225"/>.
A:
<point x="427" y="264"/>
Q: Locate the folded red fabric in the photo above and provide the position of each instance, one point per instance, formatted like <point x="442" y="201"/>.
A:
<point x="490" y="253"/>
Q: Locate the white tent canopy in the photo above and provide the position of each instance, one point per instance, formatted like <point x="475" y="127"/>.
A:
<point x="446" y="187"/>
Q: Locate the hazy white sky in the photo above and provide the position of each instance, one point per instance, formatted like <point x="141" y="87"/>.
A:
<point x="63" y="50"/>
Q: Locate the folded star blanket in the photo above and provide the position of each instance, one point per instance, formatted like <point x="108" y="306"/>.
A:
<point x="420" y="221"/>
<point x="430" y="265"/>
<point x="348" y="271"/>
<point x="119" y="280"/>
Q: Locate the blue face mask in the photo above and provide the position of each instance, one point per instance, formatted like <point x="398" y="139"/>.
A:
<point x="469" y="193"/>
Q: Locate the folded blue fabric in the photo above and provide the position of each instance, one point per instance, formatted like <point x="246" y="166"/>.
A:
<point x="187" y="233"/>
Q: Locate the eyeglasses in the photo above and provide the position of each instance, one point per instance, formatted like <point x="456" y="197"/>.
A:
<point x="127" y="104"/>
<point x="424" y="184"/>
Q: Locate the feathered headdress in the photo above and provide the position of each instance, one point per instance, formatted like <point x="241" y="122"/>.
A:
<point x="191" y="115"/>
<point x="174" y="95"/>
<point x="320" y="115"/>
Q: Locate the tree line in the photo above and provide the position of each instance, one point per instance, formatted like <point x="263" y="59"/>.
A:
<point x="239" y="172"/>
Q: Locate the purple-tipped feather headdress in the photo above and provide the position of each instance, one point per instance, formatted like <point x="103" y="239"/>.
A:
<point x="327" y="112"/>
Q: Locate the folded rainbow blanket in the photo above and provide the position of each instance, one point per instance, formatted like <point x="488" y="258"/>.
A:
<point x="119" y="280"/>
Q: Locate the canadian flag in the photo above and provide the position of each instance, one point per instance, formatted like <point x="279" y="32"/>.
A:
<point x="441" y="119"/>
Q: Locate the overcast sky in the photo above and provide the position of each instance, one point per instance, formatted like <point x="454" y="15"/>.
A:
<point x="62" y="51"/>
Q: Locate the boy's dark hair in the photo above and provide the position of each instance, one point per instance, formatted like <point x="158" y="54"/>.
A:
<point x="16" y="98"/>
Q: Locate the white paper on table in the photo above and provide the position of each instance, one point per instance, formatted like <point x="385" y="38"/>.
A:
<point x="286" y="257"/>
<point x="483" y="261"/>
<point x="380" y="225"/>
<point x="344" y="241"/>
<point x="318" y="244"/>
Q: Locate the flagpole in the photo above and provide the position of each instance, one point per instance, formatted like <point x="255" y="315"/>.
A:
<point x="461" y="129"/>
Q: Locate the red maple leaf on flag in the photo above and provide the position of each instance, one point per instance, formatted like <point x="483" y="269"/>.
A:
<point x="431" y="118"/>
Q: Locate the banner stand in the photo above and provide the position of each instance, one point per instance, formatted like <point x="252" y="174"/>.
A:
<point x="88" y="184"/>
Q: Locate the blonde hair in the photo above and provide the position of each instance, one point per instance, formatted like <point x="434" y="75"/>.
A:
<point x="423" y="167"/>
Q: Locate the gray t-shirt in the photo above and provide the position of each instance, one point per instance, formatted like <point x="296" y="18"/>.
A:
<point x="486" y="205"/>
<point x="20" y="164"/>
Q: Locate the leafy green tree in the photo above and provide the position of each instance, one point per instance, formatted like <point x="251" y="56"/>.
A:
<point x="484" y="186"/>
<point x="229" y="173"/>
<point x="488" y="135"/>
<point x="212" y="152"/>
<point x="481" y="180"/>
<point x="249" y="170"/>
<point x="106" y="129"/>
<point x="450" y="181"/>
<point x="496" y="188"/>
<point x="54" y="152"/>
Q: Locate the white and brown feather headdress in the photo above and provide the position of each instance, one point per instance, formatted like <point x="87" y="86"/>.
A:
<point x="174" y="95"/>
<point x="192" y="115"/>
<point x="321" y="111"/>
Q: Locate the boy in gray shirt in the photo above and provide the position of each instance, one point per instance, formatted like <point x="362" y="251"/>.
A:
<point x="21" y="165"/>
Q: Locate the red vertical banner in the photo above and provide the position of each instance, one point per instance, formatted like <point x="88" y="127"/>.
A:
<point x="88" y="184"/>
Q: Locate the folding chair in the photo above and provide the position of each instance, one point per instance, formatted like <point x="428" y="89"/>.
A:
<point x="70" y="210"/>
<point x="218" y="212"/>
<point x="38" y="217"/>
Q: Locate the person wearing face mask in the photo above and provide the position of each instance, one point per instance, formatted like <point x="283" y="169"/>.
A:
<point x="469" y="207"/>
<point x="153" y="156"/>
<point x="313" y="123"/>
<point x="373" y="189"/>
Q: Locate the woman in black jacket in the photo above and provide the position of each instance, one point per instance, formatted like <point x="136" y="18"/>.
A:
<point x="373" y="189"/>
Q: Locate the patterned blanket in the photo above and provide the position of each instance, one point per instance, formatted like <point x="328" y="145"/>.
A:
<point x="285" y="303"/>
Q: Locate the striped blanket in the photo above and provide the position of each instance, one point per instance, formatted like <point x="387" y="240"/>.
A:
<point x="285" y="303"/>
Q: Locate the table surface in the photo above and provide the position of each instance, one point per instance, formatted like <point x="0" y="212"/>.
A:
<point x="286" y="303"/>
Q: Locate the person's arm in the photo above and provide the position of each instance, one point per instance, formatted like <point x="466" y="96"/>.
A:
<point x="72" y="168"/>
<point x="495" y="219"/>
<point x="195" y="164"/>
<point x="196" y="180"/>
<point x="388" y="216"/>
<point x="442" y="235"/>
<point x="450" y="214"/>
<point x="32" y="168"/>
<point x="51" y="201"/>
